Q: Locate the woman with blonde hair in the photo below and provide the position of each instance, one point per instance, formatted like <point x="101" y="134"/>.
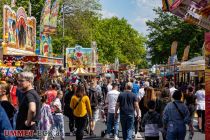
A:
<point x="80" y="104"/>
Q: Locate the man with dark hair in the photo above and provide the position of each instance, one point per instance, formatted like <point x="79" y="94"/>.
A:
<point x="128" y="104"/>
<point x="175" y="118"/>
<point x="151" y="122"/>
<point x="111" y="100"/>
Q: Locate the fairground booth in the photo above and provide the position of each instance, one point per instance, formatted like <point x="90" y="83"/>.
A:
<point x="20" y="48"/>
<point x="82" y="61"/>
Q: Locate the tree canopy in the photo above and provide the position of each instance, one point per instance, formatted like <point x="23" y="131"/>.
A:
<point x="167" y="28"/>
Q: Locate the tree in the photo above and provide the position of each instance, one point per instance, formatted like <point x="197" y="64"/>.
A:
<point x="167" y="28"/>
<point x="116" y="38"/>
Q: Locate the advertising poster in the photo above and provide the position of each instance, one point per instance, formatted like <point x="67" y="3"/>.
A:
<point x="78" y="56"/>
<point x="207" y="84"/>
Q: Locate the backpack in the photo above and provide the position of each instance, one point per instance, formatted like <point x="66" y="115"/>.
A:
<point x="94" y="99"/>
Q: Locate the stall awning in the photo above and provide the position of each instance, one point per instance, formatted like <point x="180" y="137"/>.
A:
<point x="81" y="71"/>
<point x="195" y="64"/>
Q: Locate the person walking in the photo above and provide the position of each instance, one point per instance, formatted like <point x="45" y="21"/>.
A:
<point x="190" y="101"/>
<point x="71" y="89"/>
<point x="200" y="101"/>
<point x="95" y="97"/>
<point x="127" y="102"/>
<point x="111" y="100"/>
<point x="46" y="118"/>
<point x="80" y="104"/>
<point x="58" y="116"/>
<point x="175" y="118"/>
<point x="151" y="122"/>
<point x="29" y="109"/>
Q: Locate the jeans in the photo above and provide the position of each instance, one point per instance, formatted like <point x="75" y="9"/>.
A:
<point x="127" y="122"/>
<point x="80" y="125"/>
<point x="111" y="120"/>
<point x="176" y="131"/>
<point x="58" y="125"/>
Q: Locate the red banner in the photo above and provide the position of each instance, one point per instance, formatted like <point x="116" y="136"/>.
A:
<point x="207" y="84"/>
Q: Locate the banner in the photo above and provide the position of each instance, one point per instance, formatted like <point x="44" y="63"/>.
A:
<point x="54" y="15"/>
<point x="45" y="17"/>
<point x="186" y="53"/>
<point x="174" y="48"/>
<point x="207" y="85"/>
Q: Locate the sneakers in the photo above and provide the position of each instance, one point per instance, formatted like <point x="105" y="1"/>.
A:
<point x="107" y="136"/>
<point x="138" y="136"/>
<point x="116" y="137"/>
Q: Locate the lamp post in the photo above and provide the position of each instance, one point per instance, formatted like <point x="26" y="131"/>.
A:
<point x="64" y="61"/>
<point x="65" y="10"/>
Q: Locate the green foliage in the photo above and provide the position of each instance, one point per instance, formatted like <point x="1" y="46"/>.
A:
<point x="167" y="28"/>
<point x="116" y="38"/>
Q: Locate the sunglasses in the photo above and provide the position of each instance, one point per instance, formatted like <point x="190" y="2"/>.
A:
<point x="21" y="81"/>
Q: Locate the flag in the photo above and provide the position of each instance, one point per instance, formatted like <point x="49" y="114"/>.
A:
<point x="45" y="17"/>
<point x="54" y="14"/>
<point x="29" y="8"/>
<point x="186" y="53"/>
<point x="174" y="48"/>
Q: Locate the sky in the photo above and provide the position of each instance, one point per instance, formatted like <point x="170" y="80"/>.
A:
<point x="137" y="12"/>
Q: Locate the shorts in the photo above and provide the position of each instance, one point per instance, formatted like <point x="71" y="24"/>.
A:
<point x="200" y="113"/>
<point x="95" y="115"/>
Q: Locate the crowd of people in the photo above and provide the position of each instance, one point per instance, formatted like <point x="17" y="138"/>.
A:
<point x="135" y="104"/>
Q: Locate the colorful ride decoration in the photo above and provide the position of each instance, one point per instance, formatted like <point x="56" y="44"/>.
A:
<point x="80" y="57"/>
<point x="19" y="32"/>
<point x="48" y="26"/>
<point x="193" y="11"/>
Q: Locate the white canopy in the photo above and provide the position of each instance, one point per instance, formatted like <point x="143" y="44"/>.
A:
<point x="194" y="64"/>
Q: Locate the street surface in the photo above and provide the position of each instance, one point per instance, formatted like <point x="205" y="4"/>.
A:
<point x="100" y="126"/>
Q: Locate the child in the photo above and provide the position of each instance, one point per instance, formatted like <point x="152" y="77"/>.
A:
<point x="46" y="119"/>
<point x="151" y="122"/>
<point x="58" y="116"/>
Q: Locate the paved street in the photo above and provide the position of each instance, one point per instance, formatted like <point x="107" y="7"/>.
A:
<point x="101" y="126"/>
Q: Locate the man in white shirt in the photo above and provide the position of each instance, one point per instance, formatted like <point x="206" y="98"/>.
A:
<point x="109" y="86"/>
<point x="172" y="88"/>
<point x="111" y="100"/>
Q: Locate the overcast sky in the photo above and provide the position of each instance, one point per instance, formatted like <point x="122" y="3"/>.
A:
<point x="137" y="12"/>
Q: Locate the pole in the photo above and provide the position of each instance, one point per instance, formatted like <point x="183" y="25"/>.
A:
<point x="63" y="37"/>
